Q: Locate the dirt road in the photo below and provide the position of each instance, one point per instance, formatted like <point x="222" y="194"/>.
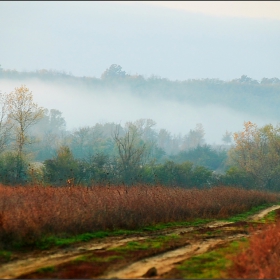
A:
<point x="163" y="262"/>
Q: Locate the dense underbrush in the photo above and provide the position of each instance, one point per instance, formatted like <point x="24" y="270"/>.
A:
<point x="31" y="212"/>
<point x="261" y="259"/>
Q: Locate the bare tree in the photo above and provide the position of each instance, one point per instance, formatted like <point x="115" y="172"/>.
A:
<point x="131" y="149"/>
<point x="5" y="122"/>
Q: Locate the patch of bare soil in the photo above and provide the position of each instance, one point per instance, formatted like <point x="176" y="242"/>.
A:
<point x="193" y="241"/>
<point x="264" y="212"/>
<point x="166" y="261"/>
<point x="200" y="241"/>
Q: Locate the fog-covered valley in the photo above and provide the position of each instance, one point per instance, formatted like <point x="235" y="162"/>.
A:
<point x="83" y="105"/>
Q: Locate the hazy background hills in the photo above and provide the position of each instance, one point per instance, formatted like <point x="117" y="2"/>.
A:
<point x="174" y="105"/>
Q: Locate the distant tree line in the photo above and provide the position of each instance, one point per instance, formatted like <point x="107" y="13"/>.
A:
<point x="243" y="94"/>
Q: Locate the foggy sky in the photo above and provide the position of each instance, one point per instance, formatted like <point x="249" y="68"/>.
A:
<point x="247" y="9"/>
<point x="85" y="38"/>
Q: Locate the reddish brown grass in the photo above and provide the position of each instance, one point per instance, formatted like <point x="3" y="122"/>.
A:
<point x="261" y="259"/>
<point x="27" y="213"/>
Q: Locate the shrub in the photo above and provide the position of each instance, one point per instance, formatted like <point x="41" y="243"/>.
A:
<point x="61" y="168"/>
<point x="13" y="169"/>
<point x="261" y="259"/>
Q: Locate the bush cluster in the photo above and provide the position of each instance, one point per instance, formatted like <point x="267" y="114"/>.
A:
<point x="261" y="259"/>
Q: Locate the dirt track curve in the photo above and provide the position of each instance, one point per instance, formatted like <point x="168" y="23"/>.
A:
<point x="163" y="262"/>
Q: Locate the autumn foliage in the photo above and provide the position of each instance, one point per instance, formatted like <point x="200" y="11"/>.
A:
<point x="257" y="154"/>
<point x="28" y="213"/>
<point x="261" y="259"/>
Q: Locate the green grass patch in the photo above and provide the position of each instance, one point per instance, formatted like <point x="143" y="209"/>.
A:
<point x="196" y="222"/>
<point x="212" y="264"/>
<point x="92" y="258"/>
<point x="153" y="243"/>
<point x="5" y="256"/>
<point x="245" y="215"/>
<point x="269" y="218"/>
<point x="214" y="232"/>
<point x="56" y="241"/>
<point x="46" y="269"/>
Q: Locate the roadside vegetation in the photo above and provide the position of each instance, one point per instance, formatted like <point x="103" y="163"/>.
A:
<point x="253" y="257"/>
<point x="261" y="258"/>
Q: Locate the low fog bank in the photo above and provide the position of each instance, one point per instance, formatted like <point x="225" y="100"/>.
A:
<point x="86" y="107"/>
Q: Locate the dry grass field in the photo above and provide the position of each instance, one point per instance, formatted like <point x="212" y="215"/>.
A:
<point x="30" y="212"/>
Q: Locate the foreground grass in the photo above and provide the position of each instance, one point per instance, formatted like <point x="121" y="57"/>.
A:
<point x="236" y="259"/>
<point x="261" y="258"/>
<point x="213" y="264"/>
<point x="252" y="211"/>
<point x="55" y="241"/>
<point x="5" y="256"/>
<point x="95" y="263"/>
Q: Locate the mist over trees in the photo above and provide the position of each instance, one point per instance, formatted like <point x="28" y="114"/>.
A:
<point x="36" y="145"/>
<point x="243" y="94"/>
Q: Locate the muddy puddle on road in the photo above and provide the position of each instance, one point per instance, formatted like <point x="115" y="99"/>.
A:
<point x="134" y="257"/>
